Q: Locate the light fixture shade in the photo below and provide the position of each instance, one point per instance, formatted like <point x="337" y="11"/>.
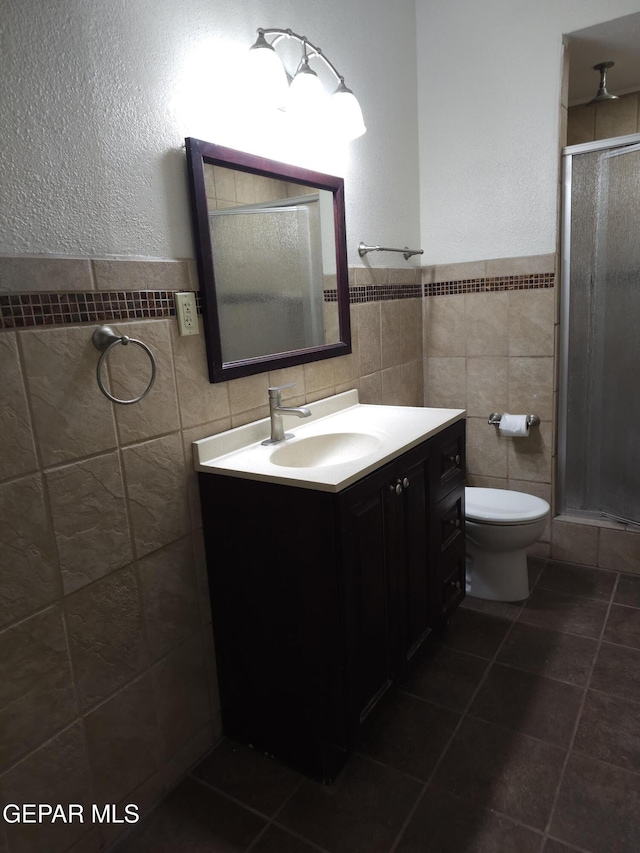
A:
<point x="266" y="73"/>
<point x="346" y="113"/>
<point x="306" y="93"/>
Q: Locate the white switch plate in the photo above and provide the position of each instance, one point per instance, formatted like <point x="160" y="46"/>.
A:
<point x="186" y="313"/>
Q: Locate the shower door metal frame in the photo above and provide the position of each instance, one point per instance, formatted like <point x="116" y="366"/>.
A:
<point x="568" y="154"/>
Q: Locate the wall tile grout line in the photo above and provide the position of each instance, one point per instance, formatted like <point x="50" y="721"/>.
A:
<point x="95" y="705"/>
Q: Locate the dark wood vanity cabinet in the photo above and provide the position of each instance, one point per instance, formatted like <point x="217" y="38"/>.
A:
<point x="384" y="534"/>
<point x="320" y="599"/>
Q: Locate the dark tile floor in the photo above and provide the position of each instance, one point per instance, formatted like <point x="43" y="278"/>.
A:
<point x="518" y="732"/>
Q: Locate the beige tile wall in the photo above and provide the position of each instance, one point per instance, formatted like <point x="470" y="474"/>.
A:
<point x="108" y="688"/>
<point x="605" y="120"/>
<point x="491" y="352"/>
<point x="42" y="274"/>
<point x="494" y="352"/>
<point x="596" y="543"/>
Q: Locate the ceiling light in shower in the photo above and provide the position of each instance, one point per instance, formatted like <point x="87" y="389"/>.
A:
<point x="602" y="94"/>
<point x="306" y="98"/>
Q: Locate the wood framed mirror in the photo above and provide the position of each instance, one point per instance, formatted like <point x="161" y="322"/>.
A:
<point x="272" y="261"/>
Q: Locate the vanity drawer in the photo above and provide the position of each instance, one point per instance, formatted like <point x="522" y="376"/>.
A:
<point x="452" y="579"/>
<point x="448" y="524"/>
<point x="449" y="460"/>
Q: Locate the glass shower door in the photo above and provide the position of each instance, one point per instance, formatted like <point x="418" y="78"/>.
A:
<point x="602" y="451"/>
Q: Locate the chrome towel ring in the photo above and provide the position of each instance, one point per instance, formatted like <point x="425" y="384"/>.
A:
<point x="105" y="339"/>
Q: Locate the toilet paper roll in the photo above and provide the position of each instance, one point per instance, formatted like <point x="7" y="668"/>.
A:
<point x="514" y="425"/>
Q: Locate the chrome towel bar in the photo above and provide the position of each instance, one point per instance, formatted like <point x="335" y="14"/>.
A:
<point x="363" y="249"/>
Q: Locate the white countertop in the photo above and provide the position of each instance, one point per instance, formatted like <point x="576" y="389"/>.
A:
<point x="388" y="430"/>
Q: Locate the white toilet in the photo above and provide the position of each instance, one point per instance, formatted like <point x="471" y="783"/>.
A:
<point x="500" y="526"/>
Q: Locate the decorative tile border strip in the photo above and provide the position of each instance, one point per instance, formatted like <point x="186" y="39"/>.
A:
<point x="383" y="292"/>
<point x="26" y="310"/>
<point x="490" y="285"/>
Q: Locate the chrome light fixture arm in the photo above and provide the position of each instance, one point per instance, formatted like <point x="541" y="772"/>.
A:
<point x="314" y="51"/>
<point x="304" y="85"/>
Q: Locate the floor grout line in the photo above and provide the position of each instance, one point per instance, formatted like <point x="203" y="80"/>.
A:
<point x="297" y="835"/>
<point x="379" y="763"/>
<point x="601" y="599"/>
<point x="230" y="797"/>
<point x="447" y="746"/>
<point x="491" y="663"/>
<point x="580" y="710"/>
<point x="539" y="674"/>
<point x="270" y="820"/>
<point x="274" y="822"/>
<point x="570" y="847"/>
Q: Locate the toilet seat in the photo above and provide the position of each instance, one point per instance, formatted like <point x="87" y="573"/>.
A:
<point x="503" y="507"/>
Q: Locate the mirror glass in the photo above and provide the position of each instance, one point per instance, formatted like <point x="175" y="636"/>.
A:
<point x="270" y="244"/>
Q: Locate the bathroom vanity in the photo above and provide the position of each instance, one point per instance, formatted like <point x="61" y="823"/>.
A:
<point x="330" y="570"/>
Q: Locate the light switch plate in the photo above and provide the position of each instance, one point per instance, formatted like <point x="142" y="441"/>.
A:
<point x="186" y="313"/>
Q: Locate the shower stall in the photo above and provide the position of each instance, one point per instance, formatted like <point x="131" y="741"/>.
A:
<point x="599" y="406"/>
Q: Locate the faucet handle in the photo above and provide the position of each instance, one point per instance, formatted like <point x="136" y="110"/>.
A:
<point x="275" y="391"/>
<point x="280" y="387"/>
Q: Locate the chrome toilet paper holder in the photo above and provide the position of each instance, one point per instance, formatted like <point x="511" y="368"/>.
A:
<point x="496" y="417"/>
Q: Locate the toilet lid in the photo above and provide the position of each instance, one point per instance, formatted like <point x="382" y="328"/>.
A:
<point x="502" y="506"/>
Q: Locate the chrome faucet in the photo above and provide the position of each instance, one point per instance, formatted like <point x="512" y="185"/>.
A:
<point x="277" y="410"/>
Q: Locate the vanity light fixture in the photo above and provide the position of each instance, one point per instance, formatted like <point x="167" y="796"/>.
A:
<point x="303" y="95"/>
<point x="602" y="94"/>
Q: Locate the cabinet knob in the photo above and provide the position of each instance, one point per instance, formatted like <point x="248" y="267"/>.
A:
<point x="405" y="483"/>
<point x="398" y="488"/>
<point x="455" y="584"/>
<point x="457" y="459"/>
<point x="455" y="522"/>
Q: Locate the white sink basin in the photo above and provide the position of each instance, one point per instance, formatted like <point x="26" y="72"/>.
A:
<point x="329" y="449"/>
<point x="341" y="442"/>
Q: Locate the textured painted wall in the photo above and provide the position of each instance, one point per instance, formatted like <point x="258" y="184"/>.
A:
<point x="97" y="98"/>
<point x="489" y="84"/>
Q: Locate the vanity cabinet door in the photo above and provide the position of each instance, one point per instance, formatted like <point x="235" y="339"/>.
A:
<point x="367" y="515"/>
<point x="414" y="569"/>
<point x="388" y="589"/>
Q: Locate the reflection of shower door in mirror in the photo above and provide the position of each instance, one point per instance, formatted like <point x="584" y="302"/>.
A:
<point x="269" y="279"/>
<point x="600" y="433"/>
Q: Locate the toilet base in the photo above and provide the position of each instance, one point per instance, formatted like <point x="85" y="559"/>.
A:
<point x="496" y="575"/>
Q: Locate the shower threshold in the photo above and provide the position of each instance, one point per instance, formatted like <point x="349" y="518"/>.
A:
<point x="620" y="518"/>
